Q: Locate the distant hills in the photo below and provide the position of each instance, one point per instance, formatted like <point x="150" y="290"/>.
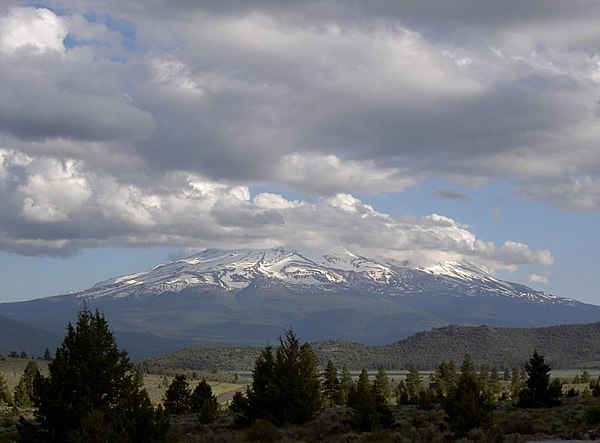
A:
<point x="249" y="296"/>
<point x="564" y="346"/>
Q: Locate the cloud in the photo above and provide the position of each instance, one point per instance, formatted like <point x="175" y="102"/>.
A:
<point x="320" y="98"/>
<point x="576" y="193"/>
<point x="56" y="208"/>
<point x="540" y="279"/>
<point x="38" y="29"/>
<point x="449" y="194"/>
<point x="159" y="131"/>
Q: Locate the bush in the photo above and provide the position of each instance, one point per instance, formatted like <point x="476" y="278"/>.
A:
<point x="262" y="430"/>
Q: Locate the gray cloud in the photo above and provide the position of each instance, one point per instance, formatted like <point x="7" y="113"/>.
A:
<point x="449" y="194"/>
<point x="160" y="141"/>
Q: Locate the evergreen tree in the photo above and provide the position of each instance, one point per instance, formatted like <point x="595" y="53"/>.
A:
<point x="47" y="355"/>
<point x="90" y="394"/>
<point x="296" y="380"/>
<point x="362" y="400"/>
<point x="177" y="396"/>
<point x="331" y="385"/>
<point x="285" y="389"/>
<point x="444" y="379"/>
<point x="516" y="383"/>
<point x="24" y="391"/>
<point x="414" y="384"/>
<point x="495" y="384"/>
<point x="467" y="406"/>
<point x="262" y="395"/>
<point x="5" y="396"/>
<point x="346" y="385"/>
<point x="538" y="391"/>
<point x="382" y="383"/>
<point x="204" y="402"/>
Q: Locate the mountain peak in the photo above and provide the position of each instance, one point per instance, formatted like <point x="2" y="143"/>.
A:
<point x="338" y="270"/>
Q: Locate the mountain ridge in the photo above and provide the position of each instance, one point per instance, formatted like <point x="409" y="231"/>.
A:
<point x="234" y="270"/>
<point x="247" y="297"/>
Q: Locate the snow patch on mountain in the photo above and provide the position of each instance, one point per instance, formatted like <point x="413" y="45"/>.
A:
<point x="339" y="270"/>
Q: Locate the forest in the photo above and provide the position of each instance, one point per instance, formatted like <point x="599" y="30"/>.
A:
<point x="90" y="391"/>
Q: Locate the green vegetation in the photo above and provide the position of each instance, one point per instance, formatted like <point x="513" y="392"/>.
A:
<point x="566" y="346"/>
<point x="90" y="393"/>
<point x="287" y="398"/>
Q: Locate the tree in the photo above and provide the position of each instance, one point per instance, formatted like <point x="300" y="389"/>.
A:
<point x="204" y="402"/>
<point x="467" y="405"/>
<point x="362" y="401"/>
<point x="297" y="384"/>
<point x="5" y="396"/>
<point x="444" y="379"/>
<point x="382" y="383"/>
<point x="90" y="393"/>
<point x="47" y="355"/>
<point x="414" y="384"/>
<point x="538" y="390"/>
<point x="262" y="395"/>
<point x="516" y="383"/>
<point x="177" y="396"/>
<point x="24" y="391"/>
<point x="331" y="385"/>
<point x="285" y="389"/>
<point x="346" y="385"/>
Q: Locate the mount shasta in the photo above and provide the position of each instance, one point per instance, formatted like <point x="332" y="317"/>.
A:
<point x="250" y="296"/>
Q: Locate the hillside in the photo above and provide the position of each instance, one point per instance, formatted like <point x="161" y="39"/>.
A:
<point x="247" y="297"/>
<point x="565" y="346"/>
<point x="15" y="336"/>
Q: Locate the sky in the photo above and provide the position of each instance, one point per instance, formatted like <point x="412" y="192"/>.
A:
<point x="135" y="132"/>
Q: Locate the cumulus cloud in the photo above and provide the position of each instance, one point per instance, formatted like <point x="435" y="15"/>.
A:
<point x="130" y="125"/>
<point x="58" y="207"/>
<point x="539" y="279"/>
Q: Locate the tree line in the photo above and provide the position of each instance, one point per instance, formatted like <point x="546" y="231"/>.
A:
<point x="93" y="393"/>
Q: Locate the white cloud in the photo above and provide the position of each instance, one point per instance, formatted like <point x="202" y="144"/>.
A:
<point x="63" y="207"/>
<point x="539" y="279"/>
<point x="34" y="28"/>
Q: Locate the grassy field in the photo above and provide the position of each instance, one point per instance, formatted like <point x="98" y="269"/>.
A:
<point x="155" y="383"/>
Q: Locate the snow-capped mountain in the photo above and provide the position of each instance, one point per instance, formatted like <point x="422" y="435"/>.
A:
<point x="336" y="271"/>
<point x="251" y="296"/>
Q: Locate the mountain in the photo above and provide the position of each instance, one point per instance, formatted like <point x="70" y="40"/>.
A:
<point x="250" y="296"/>
<point x="565" y="346"/>
<point x="15" y="336"/>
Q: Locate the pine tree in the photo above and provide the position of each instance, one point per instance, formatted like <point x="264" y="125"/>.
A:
<point x="5" y="396"/>
<point x="382" y="383"/>
<point x="24" y="391"/>
<point x="177" y="396"/>
<point x="538" y="389"/>
<point x="362" y="400"/>
<point x="204" y="402"/>
<point x="495" y="385"/>
<point x="346" y="385"/>
<point x="444" y="379"/>
<point x="467" y="406"/>
<point x="331" y="385"/>
<point x="285" y="389"/>
<point x="516" y="383"/>
<point x="90" y="394"/>
<point x="47" y="355"/>
<point x="414" y="384"/>
<point x="262" y="395"/>
<point x="296" y="379"/>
